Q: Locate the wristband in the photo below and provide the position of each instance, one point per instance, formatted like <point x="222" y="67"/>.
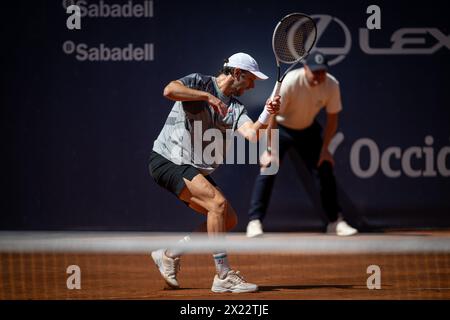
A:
<point x="264" y="117"/>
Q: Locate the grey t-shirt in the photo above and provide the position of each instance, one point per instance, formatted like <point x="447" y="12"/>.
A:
<point x="187" y="138"/>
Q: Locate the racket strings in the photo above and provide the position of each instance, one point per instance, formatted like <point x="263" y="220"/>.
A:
<point x="294" y="38"/>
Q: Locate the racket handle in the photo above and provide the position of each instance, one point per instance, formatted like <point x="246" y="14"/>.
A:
<point x="277" y="90"/>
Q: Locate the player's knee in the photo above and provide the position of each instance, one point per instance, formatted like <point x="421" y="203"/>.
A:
<point x="219" y="205"/>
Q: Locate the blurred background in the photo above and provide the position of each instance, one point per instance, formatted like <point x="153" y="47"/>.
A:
<point x="77" y="126"/>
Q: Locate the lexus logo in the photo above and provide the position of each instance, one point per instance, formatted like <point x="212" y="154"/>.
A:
<point x="404" y="41"/>
<point x="335" y="54"/>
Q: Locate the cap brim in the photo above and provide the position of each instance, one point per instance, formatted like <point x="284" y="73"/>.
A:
<point x="317" y="67"/>
<point x="260" y="75"/>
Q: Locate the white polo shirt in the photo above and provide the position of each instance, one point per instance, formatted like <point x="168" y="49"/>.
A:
<point x="300" y="103"/>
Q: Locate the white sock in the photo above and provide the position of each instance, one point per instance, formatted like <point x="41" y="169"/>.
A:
<point x="221" y="262"/>
<point x="176" y="252"/>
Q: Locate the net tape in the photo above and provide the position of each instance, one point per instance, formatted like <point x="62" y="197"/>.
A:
<point x="144" y="242"/>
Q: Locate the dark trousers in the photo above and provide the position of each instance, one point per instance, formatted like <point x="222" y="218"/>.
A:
<point x="307" y="143"/>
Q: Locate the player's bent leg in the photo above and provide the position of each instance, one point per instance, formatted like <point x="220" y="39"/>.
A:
<point x="200" y="192"/>
<point x="221" y="216"/>
<point x="231" y="216"/>
<point x="167" y="260"/>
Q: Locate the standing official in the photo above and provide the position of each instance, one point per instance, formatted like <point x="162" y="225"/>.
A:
<point x="305" y="91"/>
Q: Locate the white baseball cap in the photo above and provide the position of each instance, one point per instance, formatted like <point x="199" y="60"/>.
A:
<point x="245" y="62"/>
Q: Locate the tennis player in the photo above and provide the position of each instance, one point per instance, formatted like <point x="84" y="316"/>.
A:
<point x="203" y="103"/>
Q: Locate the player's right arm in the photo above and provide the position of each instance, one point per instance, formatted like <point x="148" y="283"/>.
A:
<point x="177" y="91"/>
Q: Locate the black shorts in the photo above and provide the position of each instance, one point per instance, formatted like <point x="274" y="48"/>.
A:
<point x="170" y="175"/>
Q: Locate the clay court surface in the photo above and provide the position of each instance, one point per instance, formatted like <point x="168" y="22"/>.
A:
<point x="286" y="276"/>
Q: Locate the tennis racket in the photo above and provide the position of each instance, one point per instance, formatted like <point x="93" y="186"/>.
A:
<point x="293" y="38"/>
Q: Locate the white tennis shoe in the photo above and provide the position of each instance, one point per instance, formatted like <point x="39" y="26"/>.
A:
<point x="341" y="228"/>
<point x="254" y="228"/>
<point x="168" y="267"/>
<point x="233" y="282"/>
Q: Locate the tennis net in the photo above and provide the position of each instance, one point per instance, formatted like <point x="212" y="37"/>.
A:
<point x="117" y="265"/>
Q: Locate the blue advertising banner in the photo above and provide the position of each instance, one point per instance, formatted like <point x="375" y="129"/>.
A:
<point x="82" y="105"/>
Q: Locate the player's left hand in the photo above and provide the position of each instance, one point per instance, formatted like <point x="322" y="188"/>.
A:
<point x="325" y="155"/>
<point x="273" y="105"/>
